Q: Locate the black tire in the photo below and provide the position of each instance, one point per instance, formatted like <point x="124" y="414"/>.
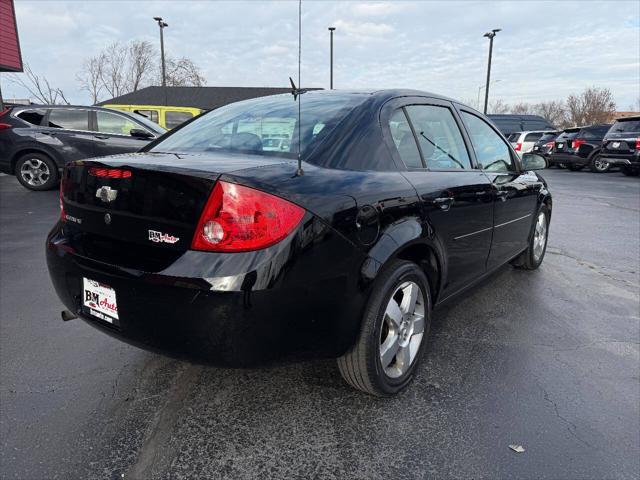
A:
<point x="46" y="179"/>
<point x="361" y="366"/>
<point x="630" y="172"/>
<point x="528" y="260"/>
<point x="575" y="167"/>
<point x="597" y="165"/>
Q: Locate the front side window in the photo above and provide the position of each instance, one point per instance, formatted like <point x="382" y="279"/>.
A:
<point x="172" y="119"/>
<point x="492" y="152"/>
<point x="439" y="137"/>
<point x="263" y="126"/>
<point x="70" y="119"/>
<point x="34" y="117"/>
<point x="404" y="140"/>
<point x="114" y="124"/>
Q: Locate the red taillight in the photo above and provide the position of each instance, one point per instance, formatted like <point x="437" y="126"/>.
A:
<point x="576" y="144"/>
<point x="239" y="219"/>
<point x="638" y="143"/>
<point x="4" y="126"/>
<point x="518" y="147"/>
<point x="550" y="144"/>
<point x="109" y="172"/>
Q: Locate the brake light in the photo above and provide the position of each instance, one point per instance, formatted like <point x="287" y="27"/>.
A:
<point x="240" y="219"/>
<point x="550" y="144"/>
<point x="109" y="173"/>
<point x="576" y="144"/>
<point x="638" y="143"/>
<point x="518" y="147"/>
<point x="5" y="126"/>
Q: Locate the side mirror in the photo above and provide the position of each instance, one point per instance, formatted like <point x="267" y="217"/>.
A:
<point x="533" y="161"/>
<point x="139" y="133"/>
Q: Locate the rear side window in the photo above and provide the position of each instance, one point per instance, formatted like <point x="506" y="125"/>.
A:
<point x="532" y="137"/>
<point x="150" y="114"/>
<point x="629" y="126"/>
<point x="492" y="152"/>
<point x="404" y="140"/>
<point x="114" y="124"/>
<point x="439" y="137"/>
<point x="71" y="119"/>
<point x="173" y="119"/>
<point x="34" y="117"/>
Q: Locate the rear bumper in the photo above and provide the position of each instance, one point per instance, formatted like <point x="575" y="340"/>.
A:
<point x="295" y="297"/>
<point x="622" y="160"/>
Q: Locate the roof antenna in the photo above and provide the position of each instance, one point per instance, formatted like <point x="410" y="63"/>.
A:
<point x="297" y="91"/>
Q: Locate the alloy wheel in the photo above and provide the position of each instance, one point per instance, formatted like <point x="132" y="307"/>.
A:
<point x="539" y="236"/>
<point x="601" y="165"/>
<point x="402" y="329"/>
<point x="35" y="172"/>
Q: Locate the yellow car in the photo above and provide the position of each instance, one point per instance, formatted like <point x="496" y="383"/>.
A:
<point x="165" y="116"/>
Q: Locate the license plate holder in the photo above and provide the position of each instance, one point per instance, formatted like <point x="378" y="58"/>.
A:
<point x="99" y="301"/>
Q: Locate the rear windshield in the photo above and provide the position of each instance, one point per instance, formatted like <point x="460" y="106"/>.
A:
<point x="532" y="137"/>
<point x="565" y="135"/>
<point x="547" y="137"/>
<point x="629" y="126"/>
<point x="594" y="132"/>
<point x="513" y="136"/>
<point x="263" y="126"/>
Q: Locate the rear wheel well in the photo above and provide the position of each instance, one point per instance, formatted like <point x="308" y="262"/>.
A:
<point x="425" y="257"/>
<point x="21" y="153"/>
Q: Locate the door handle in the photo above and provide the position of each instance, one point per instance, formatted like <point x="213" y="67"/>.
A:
<point x="502" y="195"/>
<point x="443" y="202"/>
<point x="51" y="134"/>
<point x="101" y="137"/>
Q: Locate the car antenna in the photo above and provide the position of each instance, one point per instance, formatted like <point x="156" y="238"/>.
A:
<point x="297" y="91"/>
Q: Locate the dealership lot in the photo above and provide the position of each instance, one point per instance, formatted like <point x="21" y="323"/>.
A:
<point x="548" y="360"/>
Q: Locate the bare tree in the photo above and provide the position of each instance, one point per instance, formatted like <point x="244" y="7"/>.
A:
<point x="183" y="73"/>
<point x="141" y="64"/>
<point x="39" y="87"/>
<point x="90" y="77"/>
<point x="498" y="106"/>
<point x="521" y="108"/>
<point x="124" y="68"/>
<point x="594" y="105"/>
<point x="553" y="111"/>
<point x="114" y="73"/>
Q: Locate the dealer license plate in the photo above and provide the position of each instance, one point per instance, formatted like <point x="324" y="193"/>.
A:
<point x="615" y="144"/>
<point x="100" y="300"/>
<point x="559" y="145"/>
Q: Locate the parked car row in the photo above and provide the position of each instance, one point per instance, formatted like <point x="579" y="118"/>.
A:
<point x="36" y="141"/>
<point x="597" y="147"/>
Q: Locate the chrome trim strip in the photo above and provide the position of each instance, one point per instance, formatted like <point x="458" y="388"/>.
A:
<point x="472" y="233"/>
<point x="511" y="221"/>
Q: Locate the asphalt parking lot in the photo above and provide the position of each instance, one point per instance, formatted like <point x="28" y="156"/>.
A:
<point x="548" y="360"/>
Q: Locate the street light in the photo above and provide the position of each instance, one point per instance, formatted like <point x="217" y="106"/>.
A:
<point x="331" y="30"/>
<point x="480" y="89"/>
<point x="162" y="26"/>
<point x="490" y="35"/>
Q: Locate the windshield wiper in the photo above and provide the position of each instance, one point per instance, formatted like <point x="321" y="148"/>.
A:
<point x="441" y="149"/>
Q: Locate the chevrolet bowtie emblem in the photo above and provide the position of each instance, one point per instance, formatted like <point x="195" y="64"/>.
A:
<point x="106" y="194"/>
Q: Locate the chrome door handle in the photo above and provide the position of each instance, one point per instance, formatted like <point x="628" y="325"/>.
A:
<point x="101" y="137"/>
<point x="443" y="202"/>
<point x="502" y="195"/>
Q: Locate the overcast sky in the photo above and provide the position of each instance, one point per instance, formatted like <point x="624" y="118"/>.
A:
<point x="546" y="50"/>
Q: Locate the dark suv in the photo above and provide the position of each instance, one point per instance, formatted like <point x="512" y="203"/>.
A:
<point x="509" y="123"/>
<point x="579" y="147"/>
<point x="545" y="143"/>
<point x="621" y="145"/>
<point x="37" y="140"/>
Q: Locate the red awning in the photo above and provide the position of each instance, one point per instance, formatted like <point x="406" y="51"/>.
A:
<point x="10" y="56"/>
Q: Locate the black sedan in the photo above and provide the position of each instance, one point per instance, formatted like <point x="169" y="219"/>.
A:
<point x="37" y="140"/>
<point x="383" y="206"/>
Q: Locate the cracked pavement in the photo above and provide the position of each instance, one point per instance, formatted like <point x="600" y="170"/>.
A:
<point x="549" y="360"/>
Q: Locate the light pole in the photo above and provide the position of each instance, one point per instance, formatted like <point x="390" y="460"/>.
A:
<point x="480" y="89"/>
<point x="490" y="35"/>
<point x="331" y="30"/>
<point x="162" y="26"/>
